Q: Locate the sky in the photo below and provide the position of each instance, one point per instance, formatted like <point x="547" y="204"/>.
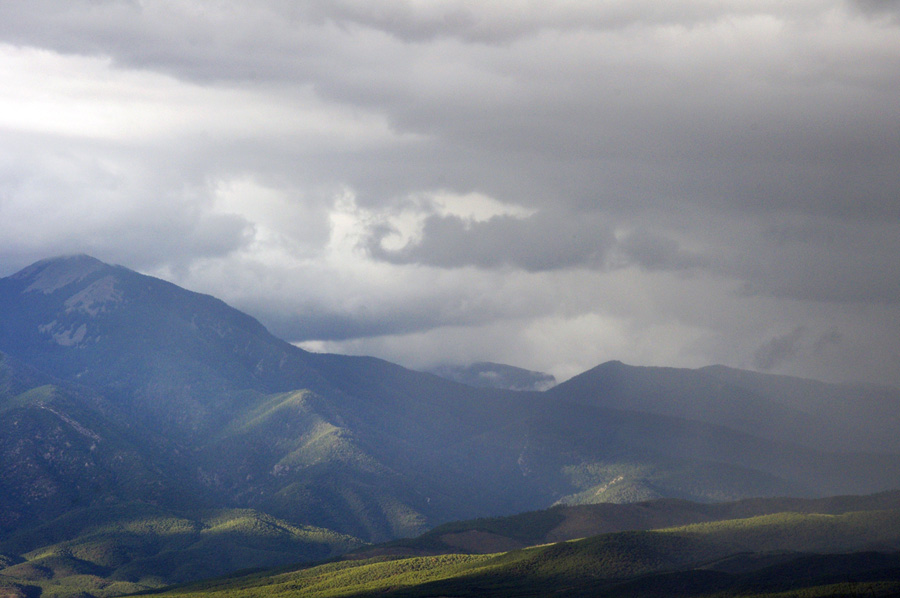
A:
<point x="550" y="184"/>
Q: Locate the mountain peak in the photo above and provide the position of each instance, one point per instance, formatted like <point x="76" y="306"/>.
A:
<point x="158" y="343"/>
<point x="50" y="275"/>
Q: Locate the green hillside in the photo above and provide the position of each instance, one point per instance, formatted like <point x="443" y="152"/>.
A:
<point x="767" y="555"/>
<point x="124" y="548"/>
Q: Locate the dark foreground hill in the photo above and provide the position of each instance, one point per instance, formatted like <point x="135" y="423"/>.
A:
<point x="122" y="390"/>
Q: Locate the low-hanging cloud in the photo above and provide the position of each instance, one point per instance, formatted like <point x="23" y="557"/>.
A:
<point x="657" y="252"/>
<point x="879" y="7"/>
<point x="778" y="350"/>
<point x="534" y="243"/>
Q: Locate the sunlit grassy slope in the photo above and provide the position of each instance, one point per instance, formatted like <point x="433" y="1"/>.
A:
<point x="126" y="548"/>
<point x="774" y="555"/>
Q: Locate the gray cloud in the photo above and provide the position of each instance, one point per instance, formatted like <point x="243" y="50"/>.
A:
<point x="778" y="350"/>
<point x="831" y="260"/>
<point x="657" y="252"/>
<point x="538" y="242"/>
<point x="743" y="152"/>
<point x="878" y="7"/>
<point x="69" y="196"/>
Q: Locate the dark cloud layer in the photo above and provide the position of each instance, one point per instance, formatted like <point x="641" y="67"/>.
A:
<point x="538" y="242"/>
<point x="778" y="350"/>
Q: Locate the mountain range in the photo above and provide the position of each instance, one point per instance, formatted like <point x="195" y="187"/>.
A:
<point x="126" y="399"/>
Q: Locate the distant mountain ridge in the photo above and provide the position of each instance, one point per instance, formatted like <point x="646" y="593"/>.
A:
<point x="118" y="388"/>
<point x="829" y="417"/>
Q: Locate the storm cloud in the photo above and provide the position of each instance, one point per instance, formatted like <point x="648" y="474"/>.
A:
<point x="534" y="243"/>
<point x="547" y="185"/>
